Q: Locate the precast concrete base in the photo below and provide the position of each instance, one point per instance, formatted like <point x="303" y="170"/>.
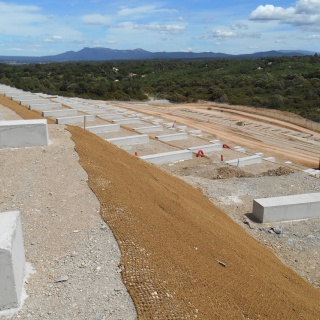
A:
<point x="245" y="161"/>
<point x="104" y="128"/>
<point x="207" y="148"/>
<point x="168" y="157"/>
<point x="285" y="208"/>
<point x="12" y="260"/>
<point x="129" y="140"/>
<point x="45" y="106"/>
<point x="59" y="113"/>
<point x="127" y="120"/>
<point x="75" y="119"/>
<point x="149" y="129"/>
<point x="23" y="133"/>
<point x="173" y="137"/>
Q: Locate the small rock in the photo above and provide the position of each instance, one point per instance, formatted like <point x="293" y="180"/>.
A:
<point x="99" y="316"/>
<point x="278" y="230"/>
<point x="62" y="279"/>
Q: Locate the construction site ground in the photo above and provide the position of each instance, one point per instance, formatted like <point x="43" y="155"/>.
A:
<point x="188" y="250"/>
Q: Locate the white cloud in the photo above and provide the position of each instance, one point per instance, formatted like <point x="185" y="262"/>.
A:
<point x="143" y="11"/>
<point x="312" y="36"/>
<point x="225" y="34"/>
<point x="270" y="12"/>
<point x="96" y="19"/>
<point x="57" y="37"/>
<point x="163" y="29"/>
<point x="305" y="14"/>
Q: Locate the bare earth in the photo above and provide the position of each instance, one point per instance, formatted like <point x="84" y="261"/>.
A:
<point x="181" y="256"/>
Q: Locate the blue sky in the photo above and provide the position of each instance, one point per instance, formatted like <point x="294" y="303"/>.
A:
<point x="46" y="27"/>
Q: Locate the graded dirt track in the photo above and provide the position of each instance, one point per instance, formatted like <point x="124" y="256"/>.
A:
<point x="182" y="257"/>
<point x="266" y="142"/>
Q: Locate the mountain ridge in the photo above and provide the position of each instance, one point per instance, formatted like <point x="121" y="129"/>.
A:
<point x="107" y="54"/>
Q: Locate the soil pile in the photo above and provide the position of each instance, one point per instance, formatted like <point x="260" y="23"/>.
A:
<point x="181" y="256"/>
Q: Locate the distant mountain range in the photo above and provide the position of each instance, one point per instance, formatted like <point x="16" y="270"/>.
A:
<point x="105" y="54"/>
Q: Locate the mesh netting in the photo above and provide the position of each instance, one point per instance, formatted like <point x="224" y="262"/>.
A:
<point x="182" y="258"/>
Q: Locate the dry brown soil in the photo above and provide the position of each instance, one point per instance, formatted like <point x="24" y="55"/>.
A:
<point x="181" y="256"/>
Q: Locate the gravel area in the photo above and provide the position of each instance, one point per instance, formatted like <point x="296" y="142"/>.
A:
<point x="72" y="251"/>
<point x="233" y="190"/>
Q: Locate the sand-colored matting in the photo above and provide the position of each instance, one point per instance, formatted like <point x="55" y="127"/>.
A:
<point x="183" y="258"/>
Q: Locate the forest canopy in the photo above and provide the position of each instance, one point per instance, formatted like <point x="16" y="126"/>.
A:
<point x="285" y="83"/>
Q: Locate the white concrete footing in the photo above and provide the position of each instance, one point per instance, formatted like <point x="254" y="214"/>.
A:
<point x="167" y="157"/>
<point x="23" y="133"/>
<point x="207" y="148"/>
<point x="173" y="137"/>
<point x="45" y="106"/>
<point x="127" y="120"/>
<point x="245" y="161"/>
<point x="59" y="113"/>
<point x="285" y="208"/>
<point x="75" y="119"/>
<point x="12" y="260"/>
<point x="129" y="140"/>
<point x="149" y="129"/>
<point x="104" y="128"/>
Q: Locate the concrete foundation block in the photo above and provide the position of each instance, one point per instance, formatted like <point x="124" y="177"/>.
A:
<point x="34" y="101"/>
<point x="167" y="157"/>
<point x="75" y="119"/>
<point x="149" y="129"/>
<point x="1" y="117"/>
<point x="129" y="140"/>
<point x="104" y="128"/>
<point x="285" y="208"/>
<point x="12" y="260"/>
<point x="127" y="121"/>
<point x="23" y="133"/>
<point x="45" y="106"/>
<point x="207" y="148"/>
<point x="59" y="113"/>
<point x="173" y="137"/>
<point x="111" y="116"/>
<point x="245" y="161"/>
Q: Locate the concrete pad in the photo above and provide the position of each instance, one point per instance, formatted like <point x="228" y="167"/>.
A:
<point x="271" y="159"/>
<point x="33" y="101"/>
<point x="23" y="133"/>
<point x="207" y="148"/>
<point x="172" y="137"/>
<point x="285" y="208"/>
<point x="45" y="106"/>
<point x="104" y="128"/>
<point x="167" y="157"/>
<point x="149" y="129"/>
<point x="75" y="119"/>
<point x="12" y="260"/>
<point x="196" y="131"/>
<point x="111" y="116"/>
<point x="129" y="140"/>
<point x="59" y="113"/>
<point x="241" y="162"/>
<point x="127" y="121"/>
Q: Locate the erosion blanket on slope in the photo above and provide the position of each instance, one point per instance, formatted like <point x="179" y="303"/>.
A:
<point x="181" y="256"/>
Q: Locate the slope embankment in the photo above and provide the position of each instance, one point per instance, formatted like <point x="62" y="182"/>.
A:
<point x="182" y="257"/>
